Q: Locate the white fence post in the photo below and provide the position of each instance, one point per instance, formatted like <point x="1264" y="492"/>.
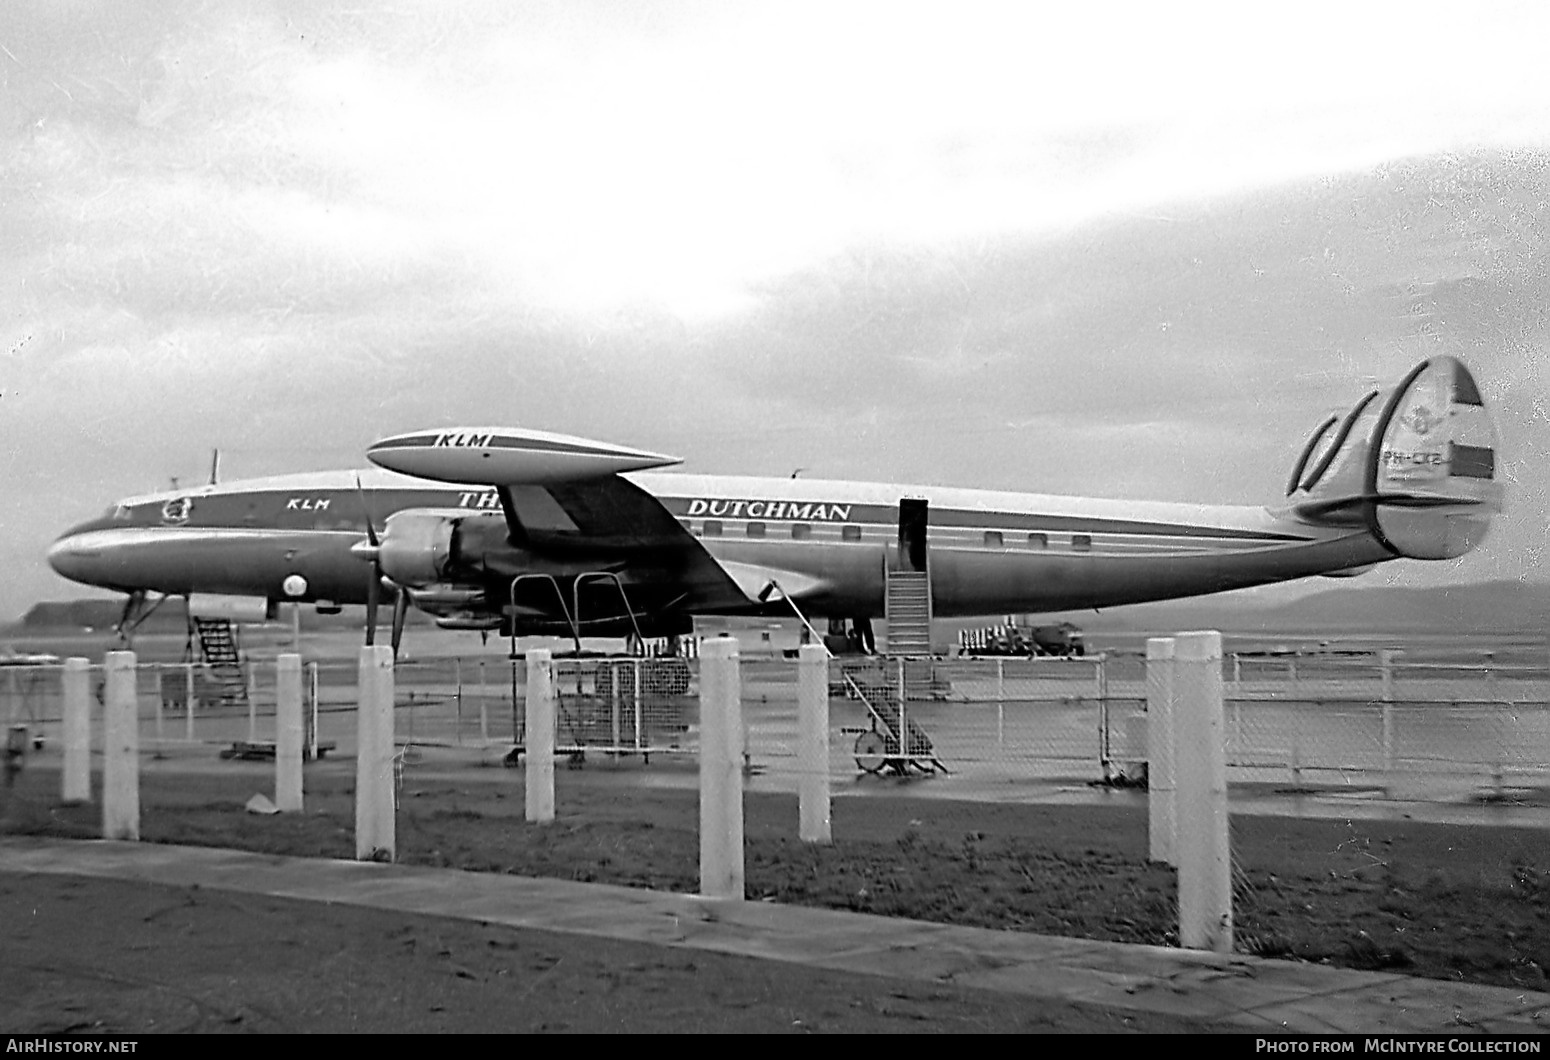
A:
<point x="721" y="774"/>
<point x="813" y="743"/>
<point x="616" y="703"/>
<point x="1205" y="865"/>
<point x="1162" y="796"/>
<point x="75" y="777"/>
<point x="374" y="837"/>
<point x="289" y="735"/>
<point x="538" y="742"/>
<point x="635" y="700"/>
<point x="120" y="748"/>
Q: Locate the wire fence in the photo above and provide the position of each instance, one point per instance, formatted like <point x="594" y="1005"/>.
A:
<point x="1360" y="891"/>
<point x="1370" y="721"/>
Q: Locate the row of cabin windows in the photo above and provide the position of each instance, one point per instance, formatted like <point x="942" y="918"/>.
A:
<point x="1079" y="542"/>
<point x="803" y="531"/>
<point x="799" y="531"/>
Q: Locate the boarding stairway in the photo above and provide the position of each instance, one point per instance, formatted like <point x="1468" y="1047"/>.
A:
<point x="907" y="606"/>
<point x="882" y="688"/>
<point x="893" y="741"/>
<point x="218" y="648"/>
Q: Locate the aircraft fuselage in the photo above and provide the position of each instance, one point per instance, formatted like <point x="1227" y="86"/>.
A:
<point x="290" y="538"/>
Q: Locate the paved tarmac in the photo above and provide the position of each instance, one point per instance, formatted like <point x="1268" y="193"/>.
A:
<point x="1230" y="993"/>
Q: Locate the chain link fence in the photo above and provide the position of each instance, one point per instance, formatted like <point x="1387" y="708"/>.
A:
<point x="1372" y="721"/>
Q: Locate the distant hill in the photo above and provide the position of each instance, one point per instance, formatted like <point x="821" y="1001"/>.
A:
<point x="1489" y="607"/>
<point x="96" y="614"/>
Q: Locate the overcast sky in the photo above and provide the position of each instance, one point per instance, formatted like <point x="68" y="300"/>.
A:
<point x="1117" y="250"/>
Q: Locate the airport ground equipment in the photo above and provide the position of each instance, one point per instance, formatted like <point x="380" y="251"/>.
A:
<point x="908" y="609"/>
<point x="1008" y="639"/>
<point x="219" y="649"/>
<point x="615" y="706"/>
<point x="892" y="741"/>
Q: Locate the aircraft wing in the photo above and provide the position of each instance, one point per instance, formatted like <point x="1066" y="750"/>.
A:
<point x="563" y="496"/>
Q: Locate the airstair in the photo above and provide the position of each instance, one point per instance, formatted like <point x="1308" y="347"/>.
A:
<point x="218" y="648"/>
<point x="893" y="741"/>
<point x="907" y="606"/>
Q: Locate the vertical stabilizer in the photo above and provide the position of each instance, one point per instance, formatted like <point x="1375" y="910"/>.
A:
<point x="1415" y="465"/>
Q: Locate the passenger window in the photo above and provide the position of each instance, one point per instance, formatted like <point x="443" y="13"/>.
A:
<point x="1082" y="542"/>
<point x="993" y="538"/>
<point x="1038" y="541"/>
<point x="801" y="531"/>
<point x="712" y="528"/>
<point x="755" y="529"/>
<point x="850" y="533"/>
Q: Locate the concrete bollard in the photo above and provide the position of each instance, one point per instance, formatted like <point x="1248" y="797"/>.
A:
<point x="290" y="736"/>
<point x="721" y="774"/>
<point x="75" y="777"/>
<point x="539" y="741"/>
<point x="1200" y="769"/>
<point x="374" y="838"/>
<point x="1162" y="794"/>
<point x="813" y="744"/>
<point x="120" y="748"/>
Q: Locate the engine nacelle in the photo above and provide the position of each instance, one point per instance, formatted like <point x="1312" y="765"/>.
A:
<point x="419" y="546"/>
<point x="445" y="598"/>
<point x="466" y="620"/>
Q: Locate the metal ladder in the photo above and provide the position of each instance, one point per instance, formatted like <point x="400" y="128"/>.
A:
<point x="894" y="742"/>
<point x="218" y="648"/>
<point x="907" y="606"/>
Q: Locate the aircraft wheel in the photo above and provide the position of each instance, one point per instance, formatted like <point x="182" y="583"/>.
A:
<point x="870" y="752"/>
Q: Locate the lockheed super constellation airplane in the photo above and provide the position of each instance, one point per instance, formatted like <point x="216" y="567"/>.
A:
<point x="536" y="533"/>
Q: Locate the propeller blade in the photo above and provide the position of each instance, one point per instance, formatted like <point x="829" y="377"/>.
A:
<point x="371" y="529"/>
<point x="371" y="550"/>
<point x="400" y="613"/>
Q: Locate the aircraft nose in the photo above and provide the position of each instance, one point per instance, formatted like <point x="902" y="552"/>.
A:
<point x="73" y="556"/>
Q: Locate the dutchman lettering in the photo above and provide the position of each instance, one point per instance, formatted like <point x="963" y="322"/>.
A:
<point x="805" y="511"/>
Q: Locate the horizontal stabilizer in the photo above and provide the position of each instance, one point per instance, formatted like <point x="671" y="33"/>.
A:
<point x="507" y="456"/>
<point x="1415" y="465"/>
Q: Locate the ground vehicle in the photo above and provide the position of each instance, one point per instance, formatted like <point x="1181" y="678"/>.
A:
<point x="1008" y="639"/>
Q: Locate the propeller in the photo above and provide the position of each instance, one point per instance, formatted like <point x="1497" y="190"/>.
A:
<point x="400" y="612"/>
<point x="371" y="549"/>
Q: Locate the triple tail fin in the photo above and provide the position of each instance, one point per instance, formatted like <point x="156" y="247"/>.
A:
<point x="1415" y="466"/>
